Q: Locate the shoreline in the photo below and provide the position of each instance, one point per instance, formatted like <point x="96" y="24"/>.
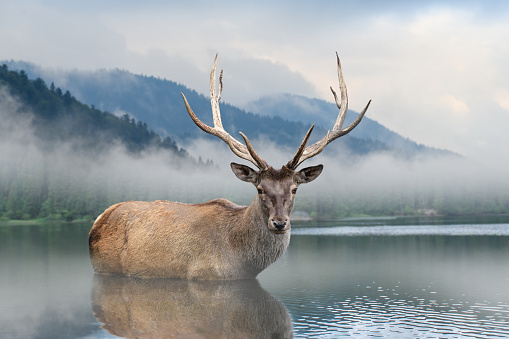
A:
<point x="296" y="219"/>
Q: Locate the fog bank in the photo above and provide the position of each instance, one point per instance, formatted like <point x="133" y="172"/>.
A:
<point x="63" y="181"/>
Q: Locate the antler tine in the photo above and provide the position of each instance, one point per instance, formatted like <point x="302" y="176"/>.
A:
<point x="337" y="130"/>
<point x="335" y="97"/>
<point x="292" y="164"/>
<point x="313" y="150"/>
<point x="259" y="161"/>
<point x="343" y="107"/>
<point x="214" y="98"/>
<point x="220" y="86"/>
<point x="247" y="153"/>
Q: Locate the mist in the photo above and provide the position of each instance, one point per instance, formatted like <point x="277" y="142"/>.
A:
<point x="381" y="182"/>
<point x="67" y="171"/>
<point x="350" y="185"/>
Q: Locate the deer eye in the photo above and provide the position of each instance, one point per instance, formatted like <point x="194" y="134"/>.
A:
<point x="260" y="191"/>
<point x="294" y="191"/>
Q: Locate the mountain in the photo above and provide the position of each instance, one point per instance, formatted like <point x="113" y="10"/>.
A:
<point x="57" y="117"/>
<point x="283" y="119"/>
<point x="324" y="114"/>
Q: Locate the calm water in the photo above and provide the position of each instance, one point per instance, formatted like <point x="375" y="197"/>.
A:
<point x="359" y="278"/>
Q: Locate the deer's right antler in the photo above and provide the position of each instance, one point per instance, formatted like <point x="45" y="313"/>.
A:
<point x="246" y="152"/>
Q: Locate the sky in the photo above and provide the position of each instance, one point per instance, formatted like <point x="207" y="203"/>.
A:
<point x="436" y="71"/>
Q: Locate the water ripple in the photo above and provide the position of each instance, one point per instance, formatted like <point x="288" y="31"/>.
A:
<point x="375" y="316"/>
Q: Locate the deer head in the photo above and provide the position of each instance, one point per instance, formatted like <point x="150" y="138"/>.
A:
<point x="276" y="187"/>
<point x="276" y="190"/>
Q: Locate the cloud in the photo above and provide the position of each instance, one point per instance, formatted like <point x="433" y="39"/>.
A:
<point x="502" y="99"/>
<point x="456" y="106"/>
<point x="252" y="78"/>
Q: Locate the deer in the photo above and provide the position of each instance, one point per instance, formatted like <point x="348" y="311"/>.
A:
<point x="215" y="240"/>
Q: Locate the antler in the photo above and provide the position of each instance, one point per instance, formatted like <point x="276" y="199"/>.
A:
<point x="304" y="152"/>
<point x="245" y="152"/>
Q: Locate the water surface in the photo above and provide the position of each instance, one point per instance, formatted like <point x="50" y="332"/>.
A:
<point x="359" y="278"/>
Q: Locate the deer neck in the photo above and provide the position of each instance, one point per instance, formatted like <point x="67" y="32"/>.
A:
<point x="261" y="246"/>
<point x="257" y="215"/>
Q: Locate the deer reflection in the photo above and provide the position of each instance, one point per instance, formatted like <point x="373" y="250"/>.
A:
<point x="161" y="308"/>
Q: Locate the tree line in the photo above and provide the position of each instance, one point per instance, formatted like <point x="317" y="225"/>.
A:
<point x="50" y="188"/>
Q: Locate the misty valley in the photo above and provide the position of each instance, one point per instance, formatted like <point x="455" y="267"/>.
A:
<point x="65" y="160"/>
<point x="394" y="239"/>
<point x="362" y="278"/>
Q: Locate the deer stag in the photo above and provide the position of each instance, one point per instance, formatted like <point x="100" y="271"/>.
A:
<point x="216" y="240"/>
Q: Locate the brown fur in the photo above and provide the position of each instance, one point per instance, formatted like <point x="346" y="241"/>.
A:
<point x="217" y="240"/>
<point x="175" y="240"/>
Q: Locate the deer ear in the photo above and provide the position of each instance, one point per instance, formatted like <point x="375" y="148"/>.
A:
<point x="244" y="173"/>
<point x="308" y="174"/>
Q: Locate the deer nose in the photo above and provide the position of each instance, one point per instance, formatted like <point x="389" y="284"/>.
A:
<point x="279" y="225"/>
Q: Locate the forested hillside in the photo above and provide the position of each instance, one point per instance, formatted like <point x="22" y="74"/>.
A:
<point x="49" y="143"/>
<point x="59" y="117"/>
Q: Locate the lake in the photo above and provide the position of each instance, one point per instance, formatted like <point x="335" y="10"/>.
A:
<point x="356" y="278"/>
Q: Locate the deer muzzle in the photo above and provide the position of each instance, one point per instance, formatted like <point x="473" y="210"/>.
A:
<point x="279" y="227"/>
